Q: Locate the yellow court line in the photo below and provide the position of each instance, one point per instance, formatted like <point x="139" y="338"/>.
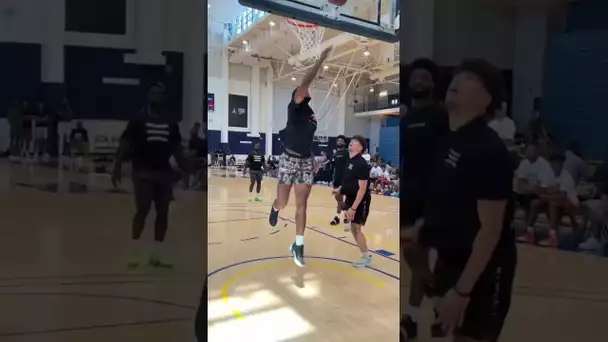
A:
<point x="226" y="287"/>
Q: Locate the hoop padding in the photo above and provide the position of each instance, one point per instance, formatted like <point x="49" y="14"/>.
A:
<point x="310" y="37"/>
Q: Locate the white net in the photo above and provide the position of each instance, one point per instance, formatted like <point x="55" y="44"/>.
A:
<point x="310" y="37"/>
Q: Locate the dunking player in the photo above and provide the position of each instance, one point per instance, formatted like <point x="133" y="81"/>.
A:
<point x="339" y="163"/>
<point x="297" y="164"/>
<point x="355" y="187"/>
<point x="465" y="221"/>
<point x="150" y="140"/>
<point x="255" y="164"/>
<point x="421" y="129"/>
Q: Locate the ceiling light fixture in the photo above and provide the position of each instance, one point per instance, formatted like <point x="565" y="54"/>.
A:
<point x="271" y="23"/>
<point x="371" y="90"/>
<point x="245" y="42"/>
<point x="325" y="67"/>
<point x="366" y="52"/>
<point x="293" y="78"/>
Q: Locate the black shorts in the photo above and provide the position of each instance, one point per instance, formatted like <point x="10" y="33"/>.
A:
<point x="256" y="175"/>
<point x="490" y="299"/>
<point x="337" y="183"/>
<point x="362" y="209"/>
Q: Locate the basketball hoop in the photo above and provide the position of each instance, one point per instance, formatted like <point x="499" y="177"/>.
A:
<point x="309" y="35"/>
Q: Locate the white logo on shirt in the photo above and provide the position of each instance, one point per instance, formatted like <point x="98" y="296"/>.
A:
<point x="452" y="158"/>
<point x="157" y="132"/>
<point x="350" y="166"/>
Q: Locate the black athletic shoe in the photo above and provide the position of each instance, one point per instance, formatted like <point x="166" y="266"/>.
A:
<point x="274" y="217"/>
<point x="410" y="327"/>
<point x="437" y="328"/>
<point x="335" y="221"/>
<point x="298" y="254"/>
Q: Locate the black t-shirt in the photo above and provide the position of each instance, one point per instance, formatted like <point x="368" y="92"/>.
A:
<point x="356" y="170"/>
<point x="255" y="161"/>
<point x="470" y="164"/>
<point x="153" y="141"/>
<point x="340" y="163"/>
<point x="197" y="144"/>
<point x="421" y="129"/>
<point x="80" y="135"/>
<point x="300" y="129"/>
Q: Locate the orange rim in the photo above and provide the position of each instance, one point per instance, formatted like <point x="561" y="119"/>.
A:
<point x="301" y="24"/>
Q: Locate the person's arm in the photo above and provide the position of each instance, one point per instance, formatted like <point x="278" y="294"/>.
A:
<point x="175" y="139"/>
<point x="362" y="177"/>
<point x="492" y="189"/>
<point x="510" y="130"/>
<point x="124" y="145"/>
<point x="302" y="91"/>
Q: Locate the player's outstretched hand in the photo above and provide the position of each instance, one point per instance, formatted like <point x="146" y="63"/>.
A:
<point x="325" y="53"/>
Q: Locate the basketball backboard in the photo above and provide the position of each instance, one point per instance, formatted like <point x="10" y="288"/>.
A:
<point x="375" y="19"/>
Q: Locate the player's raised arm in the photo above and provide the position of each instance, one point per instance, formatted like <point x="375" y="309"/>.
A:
<point x="302" y="91"/>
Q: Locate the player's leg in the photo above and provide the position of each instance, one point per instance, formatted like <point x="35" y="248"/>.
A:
<point x="356" y="229"/>
<point x="251" y="184"/>
<point x="163" y="195"/>
<point x="339" y="205"/>
<point x="286" y="178"/>
<point x="143" y="192"/>
<point x="302" y="187"/>
<point x="258" y="185"/>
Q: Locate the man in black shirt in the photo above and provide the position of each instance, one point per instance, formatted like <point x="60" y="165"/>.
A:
<point x="465" y="219"/>
<point x="255" y="164"/>
<point x="339" y="163"/>
<point x="151" y="140"/>
<point x="421" y="129"/>
<point x="355" y="187"/>
<point x="297" y="163"/>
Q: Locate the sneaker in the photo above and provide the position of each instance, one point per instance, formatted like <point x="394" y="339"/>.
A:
<point x="410" y="327"/>
<point x="133" y="260"/>
<point x="335" y="221"/>
<point x="273" y="217"/>
<point x="528" y="236"/>
<point x="592" y="244"/>
<point x="298" y="254"/>
<point x="551" y="241"/>
<point x="366" y="260"/>
<point x="258" y="199"/>
<point x="157" y="261"/>
<point x="250" y="199"/>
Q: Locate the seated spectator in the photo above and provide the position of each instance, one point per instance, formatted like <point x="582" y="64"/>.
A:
<point x="559" y="197"/>
<point x="595" y="212"/>
<point x="504" y="126"/>
<point x="376" y="170"/>
<point x="574" y="161"/>
<point x="79" y="140"/>
<point x="533" y="174"/>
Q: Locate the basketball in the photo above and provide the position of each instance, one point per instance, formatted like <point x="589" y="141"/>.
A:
<point x="337" y="2"/>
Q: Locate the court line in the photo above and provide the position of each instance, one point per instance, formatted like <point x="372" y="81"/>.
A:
<point x="209" y="275"/>
<point x="226" y="287"/>
<point x="314" y="230"/>
<point x="237" y="220"/>
<point x="96" y="327"/>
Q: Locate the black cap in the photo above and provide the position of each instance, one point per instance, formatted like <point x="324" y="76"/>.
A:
<point x="361" y="141"/>
<point x="491" y="77"/>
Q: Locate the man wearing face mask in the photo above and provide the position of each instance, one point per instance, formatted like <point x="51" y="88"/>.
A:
<point x="340" y="164"/>
<point x="421" y="129"/>
<point x="255" y="164"/>
<point x="150" y="140"/>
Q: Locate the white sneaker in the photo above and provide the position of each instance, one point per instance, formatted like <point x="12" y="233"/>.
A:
<point x="592" y="244"/>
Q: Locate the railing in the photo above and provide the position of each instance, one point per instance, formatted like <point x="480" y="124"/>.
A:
<point x="244" y="21"/>
<point x="379" y="103"/>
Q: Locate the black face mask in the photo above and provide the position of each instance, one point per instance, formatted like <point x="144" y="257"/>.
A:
<point x="256" y="149"/>
<point x="341" y="146"/>
<point x="420" y="94"/>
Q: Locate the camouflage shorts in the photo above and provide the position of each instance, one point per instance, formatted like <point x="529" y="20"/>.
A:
<point x="294" y="170"/>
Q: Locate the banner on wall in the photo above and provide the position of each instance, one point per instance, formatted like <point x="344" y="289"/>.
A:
<point x="210" y="102"/>
<point x="237" y="111"/>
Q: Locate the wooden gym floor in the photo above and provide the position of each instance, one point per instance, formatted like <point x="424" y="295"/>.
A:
<point x="62" y="274"/>
<point x="62" y="262"/>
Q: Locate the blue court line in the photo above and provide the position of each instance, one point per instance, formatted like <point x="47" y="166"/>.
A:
<point x="237" y="220"/>
<point x="249" y="239"/>
<point x="342" y="237"/>
<point x="287" y="257"/>
<point x="333" y="237"/>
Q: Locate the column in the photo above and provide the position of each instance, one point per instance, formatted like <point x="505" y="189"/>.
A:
<point x="417" y="21"/>
<point x="52" y="41"/>
<point x="341" y="110"/>
<point x="222" y="96"/>
<point x="269" y="100"/>
<point x="194" y="71"/>
<point x="528" y="63"/>
<point x="149" y="31"/>
<point x="254" y="102"/>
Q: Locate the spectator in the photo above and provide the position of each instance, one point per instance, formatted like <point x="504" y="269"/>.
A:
<point x="574" y="161"/>
<point x="557" y="198"/>
<point x="376" y="170"/>
<point x="596" y="212"/>
<point x="533" y="174"/>
<point x="15" y="121"/>
<point x="504" y="126"/>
